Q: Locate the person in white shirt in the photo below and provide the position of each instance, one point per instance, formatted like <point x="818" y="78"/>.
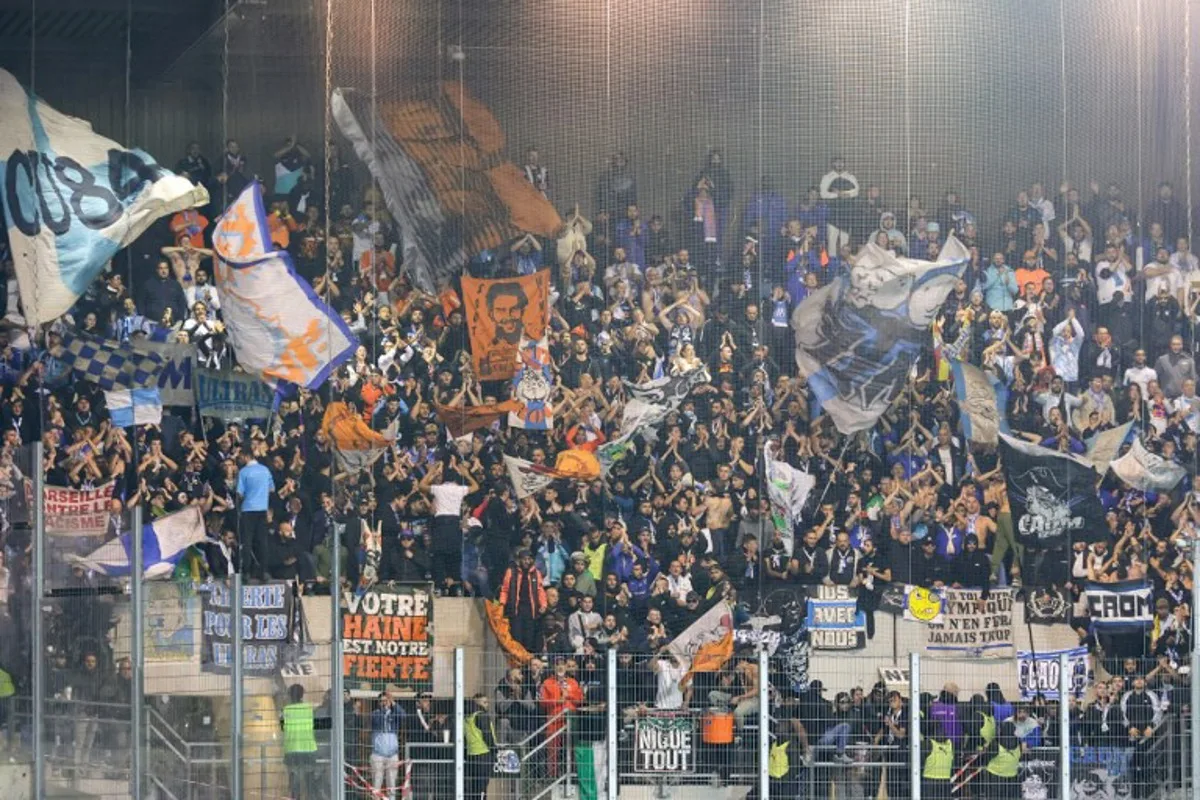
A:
<point x="1161" y="272"/>
<point x="839" y="188"/>
<point x="1037" y="199"/>
<point x="583" y="624"/>
<point x="669" y="672"/>
<point x="1140" y="373"/>
<point x="1112" y="276"/>
<point x="1188" y="404"/>
<point x="1057" y="397"/>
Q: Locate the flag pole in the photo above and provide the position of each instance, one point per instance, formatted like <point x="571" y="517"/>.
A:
<point x="137" y="651"/>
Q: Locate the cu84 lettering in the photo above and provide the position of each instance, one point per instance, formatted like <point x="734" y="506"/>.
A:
<point x="63" y="190"/>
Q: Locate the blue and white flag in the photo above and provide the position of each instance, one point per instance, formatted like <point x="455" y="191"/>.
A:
<point x="1102" y="448"/>
<point x="1147" y="471"/>
<point x="278" y="326"/>
<point x="858" y="338"/>
<point x="164" y="543"/>
<point x="983" y="401"/>
<point x="130" y="407"/>
<point x="110" y="364"/>
<point x="72" y="199"/>
<point x="1126" y="605"/>
<point x="286" y="179"/>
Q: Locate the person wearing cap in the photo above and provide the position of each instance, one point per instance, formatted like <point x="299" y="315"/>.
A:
<point x="524" y="600"/>
<point x="585" y="584"/>
<point x="402" y="560"/>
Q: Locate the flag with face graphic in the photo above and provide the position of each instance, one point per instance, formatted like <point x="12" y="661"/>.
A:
<point x="500" y="315"/>
<point x="279" y="328"/>
<point x="72" y="199"/>
<point x="858" y="338"/>
<point x="532" y="383"/>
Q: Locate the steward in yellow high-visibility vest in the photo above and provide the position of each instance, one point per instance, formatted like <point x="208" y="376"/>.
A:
<point x="299" y="745"/>
<point x="479" y="740"/>
<point x="1002" y="764"/>
<point x="938" y="766"/>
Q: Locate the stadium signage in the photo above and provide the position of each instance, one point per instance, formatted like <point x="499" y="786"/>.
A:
<point x="386" y="637"/>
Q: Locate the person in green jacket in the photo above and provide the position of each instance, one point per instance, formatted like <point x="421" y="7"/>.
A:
<point x="300" y="745"/>
<point x="479" y="734"/>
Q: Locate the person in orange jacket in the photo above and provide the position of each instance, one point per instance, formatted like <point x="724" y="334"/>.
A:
<point x="559" y="693"/>
<point x="524" y="600"/>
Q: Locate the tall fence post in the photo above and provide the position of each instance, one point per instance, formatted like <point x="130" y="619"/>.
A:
<point x="237" y="712"/>
<point x="1195" y="679"/>
<point x="38" y="654"/>
<point x="610" y="713"/>
<point x="764" y="724"/>
<point x="460" y="782"/>
<point x="138" y="653"/>
<point x="914" y="728"/>
<point x="1064" y="726"/>
<point x="1065" y="683"/>
<point x="337" y="735"/>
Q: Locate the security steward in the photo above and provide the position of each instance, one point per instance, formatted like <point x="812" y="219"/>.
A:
<point x="299" y="745"/>
<point x="479" y="735"/>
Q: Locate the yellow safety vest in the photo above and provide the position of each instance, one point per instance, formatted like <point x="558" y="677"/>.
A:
<point x="476" y="744"/>
<point x="987" y="731"/>
<point x="940" y="761"/>
<point x="298" y="729"/>
<point x="1006" y="763"/>
<point x="778" y="762"/>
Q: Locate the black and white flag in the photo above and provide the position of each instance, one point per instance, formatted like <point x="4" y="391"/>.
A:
<point x="1117" y="606"/>
<point x="1053" y="495"/>
<point x="671" y="391"/>
<point x="1048" y="605"/>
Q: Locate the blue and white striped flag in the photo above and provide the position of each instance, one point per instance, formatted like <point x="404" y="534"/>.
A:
<point x="72" y="199"/>
<point x="164" y="543"/>
<point x="130" y="407"/>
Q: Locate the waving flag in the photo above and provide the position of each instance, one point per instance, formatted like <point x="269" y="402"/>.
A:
<point x="110" y="364"/>
<point x="670" y="391"/>
<point x="1102" y="448"/>
<point x="858" y="338"/>
<point x="355" y="446"/>
<point x="787" y="489"/>
<point x="1053" y="495"/>
<point x="526" y="482"/>
<point x="164" y="543"/>
<point x="461" y="420"/>
<point x="1147" y="471"/>
<point x="983" y="401"/>
<point x="440" y="163"/>
<point x="130" y="407"/>
<point x="279" y="328"/>
<point x="502" y="315"/>
<point x="72" y="199"/>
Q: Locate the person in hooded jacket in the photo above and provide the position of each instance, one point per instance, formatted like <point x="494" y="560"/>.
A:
<point x="972" y="569"/>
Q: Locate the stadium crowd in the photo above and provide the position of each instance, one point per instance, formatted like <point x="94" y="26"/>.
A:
<point x="1080" y="301"/>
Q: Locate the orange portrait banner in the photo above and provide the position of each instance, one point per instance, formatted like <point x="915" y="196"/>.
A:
<point x="499" y="312"/>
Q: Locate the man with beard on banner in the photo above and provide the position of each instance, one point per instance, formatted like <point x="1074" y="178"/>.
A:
<point x="1054" y="503"/>
<point x="858" y="337"/>
<point x="501" y="314"/>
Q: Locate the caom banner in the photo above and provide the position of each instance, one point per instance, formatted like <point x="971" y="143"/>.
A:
<point x="77" y="512"/>
<point x="232" y="396"/>
<point x="72" y="199"/>
<point x="1116" y="606"/>
<point x="268" y="627"/>
<point x="1041" y="673"/>
<point x="500" y="314"/>
<point x="1053" y="495"/>
<point x="279" y="328"/>
<point x="387" y="638"/>
<point x="973" y="627"/>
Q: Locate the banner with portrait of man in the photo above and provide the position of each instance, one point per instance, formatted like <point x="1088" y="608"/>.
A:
<point x="499" y="313"/>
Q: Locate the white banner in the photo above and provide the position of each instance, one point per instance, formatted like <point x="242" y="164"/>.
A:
<point x="973" y="627"/>
<point x="77" y="512"/>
